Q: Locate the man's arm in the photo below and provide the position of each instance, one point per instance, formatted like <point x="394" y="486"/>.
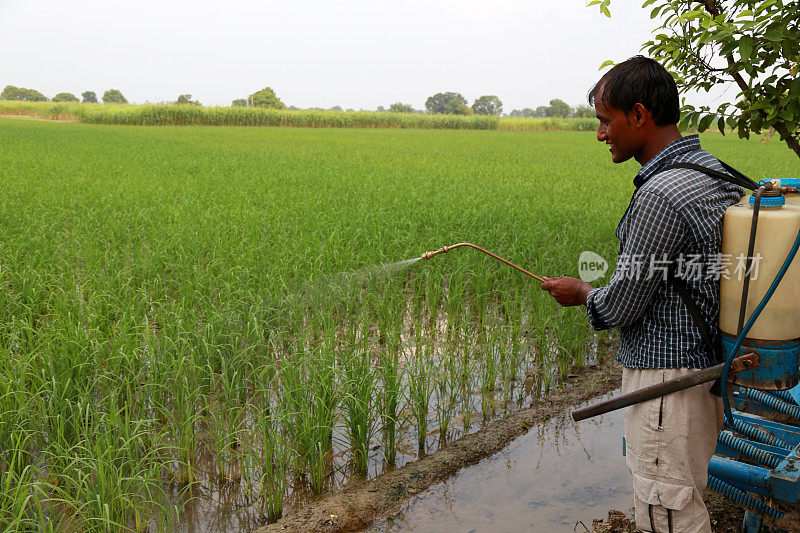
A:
<point x="655" y="230"/>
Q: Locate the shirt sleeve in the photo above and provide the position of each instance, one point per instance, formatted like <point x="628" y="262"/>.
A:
<point x="655" y="231"/>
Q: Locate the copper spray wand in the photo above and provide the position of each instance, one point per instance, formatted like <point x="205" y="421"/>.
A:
<point x="445" y="249"/>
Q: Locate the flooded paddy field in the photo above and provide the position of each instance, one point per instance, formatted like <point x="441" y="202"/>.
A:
<point x="214" y="328"/>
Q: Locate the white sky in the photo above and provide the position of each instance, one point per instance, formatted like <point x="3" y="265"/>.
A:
<point x="351" y="53"/>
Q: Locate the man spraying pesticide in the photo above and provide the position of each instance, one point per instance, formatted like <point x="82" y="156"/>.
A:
<point x="675" y="212"/>
<point x="665" y="297"/>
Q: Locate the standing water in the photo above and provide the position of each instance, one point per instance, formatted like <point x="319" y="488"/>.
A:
<point x="559" y="474"/>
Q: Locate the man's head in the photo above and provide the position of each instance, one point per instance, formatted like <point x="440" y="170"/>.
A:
<point x="637" y="104"/>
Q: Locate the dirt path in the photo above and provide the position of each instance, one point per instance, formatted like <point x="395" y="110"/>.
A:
<point x="358" y="505"/>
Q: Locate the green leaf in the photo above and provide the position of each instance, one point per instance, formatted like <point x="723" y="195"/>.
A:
<point x="647" y="3"/>
<point x="593" y="3"/>
<point x="742" y="130"/>
<point x="606" y="63"/>
<point x="721" y="125"/>
<point x="705" y="122"/>
<point x="693" y="122"/>
<point x="773" y="34"/>
<point x="757" y="122"/>
<point x="764" y="5"/>
<point x="604" y="9"/>
<point x="745" y="47"/>
<point x="656" y="10"/>
<point x="684" y="123"/>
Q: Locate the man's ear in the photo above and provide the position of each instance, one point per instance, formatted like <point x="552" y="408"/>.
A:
<point x="640" y="114"/>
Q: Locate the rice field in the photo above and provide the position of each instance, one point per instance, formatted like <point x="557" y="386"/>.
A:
<point x="195" y="313"/>
<point x="185" y="115"/>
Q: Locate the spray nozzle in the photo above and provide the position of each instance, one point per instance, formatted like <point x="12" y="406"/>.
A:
<point x="442" y="250"/>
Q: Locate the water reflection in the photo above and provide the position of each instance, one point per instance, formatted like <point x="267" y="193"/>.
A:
<point x="560" y="473"/>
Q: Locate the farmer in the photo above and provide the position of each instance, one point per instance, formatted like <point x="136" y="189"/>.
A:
<point x="674" y="219"/>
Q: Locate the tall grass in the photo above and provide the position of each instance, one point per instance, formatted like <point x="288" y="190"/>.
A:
<point x="188" y="115"/>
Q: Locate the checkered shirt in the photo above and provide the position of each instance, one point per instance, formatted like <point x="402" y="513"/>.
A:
<point x="674" y="218"/>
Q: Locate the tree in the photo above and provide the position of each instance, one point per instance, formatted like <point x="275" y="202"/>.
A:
<point x="113" y="96"/>
<point x="753" y="44"/>
<point x="21" y="94"/>
<point x="10" y="93"/>
<point x="239" y="102"/>
<point x="447" y="103"/>
<point x="527" y="113"/>
<point x="266" y="98"/>
<point x="541" y="111"/>
<point x="583" y="111"/>
<point x="335" y="108"/>
<point x="488" y="105"/>
<point x="398" y="107"/>
<point x="65" y="97"/>
<point x="559" y="108"/>
<point x="186" y="99"/>
<point x="89" y="97"/>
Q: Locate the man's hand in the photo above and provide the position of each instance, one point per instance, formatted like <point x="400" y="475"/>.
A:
<point x="567" y="291"/>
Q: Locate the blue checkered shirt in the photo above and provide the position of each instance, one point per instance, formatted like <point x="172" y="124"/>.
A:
<point x="674" y="218"/>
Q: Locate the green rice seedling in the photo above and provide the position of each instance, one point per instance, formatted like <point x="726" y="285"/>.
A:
<point x="295" y="402"/>
<point x="20" y="491"/>
<point x="447" y="380"/>
<point x="227" y="419"/>
<point x="420" y="385"/>
<point x="109" y="483"/>
<point x="488" y="383"/>
<point x="358" y="398"/>
<point x="309" y="402"/>
<point x="182" y="414"/>
<point x="466" y="350"/>
<point x="390" y="373"/>
<point x="273" y="450"/>
<point x="324" y="402"/>
<point x="391" y="379"/>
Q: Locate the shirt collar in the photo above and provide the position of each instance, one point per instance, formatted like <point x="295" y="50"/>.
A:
<point x="690" y="143"/>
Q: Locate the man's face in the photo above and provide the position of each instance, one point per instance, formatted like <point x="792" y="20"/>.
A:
<point x="618" y="131"/>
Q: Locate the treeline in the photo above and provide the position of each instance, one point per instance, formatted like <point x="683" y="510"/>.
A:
<point x="444" y="103"/>
<point x="19" y="94"/>
<point x="556" y="109"/>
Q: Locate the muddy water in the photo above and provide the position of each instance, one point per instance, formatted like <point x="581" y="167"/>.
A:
<point x="560" y="473"/>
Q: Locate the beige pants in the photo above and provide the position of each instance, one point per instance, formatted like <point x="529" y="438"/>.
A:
<point x="668" y="444"/>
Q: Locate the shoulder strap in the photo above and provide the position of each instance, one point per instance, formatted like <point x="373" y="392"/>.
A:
<point x="697" y="317"/>
<point x="735" y="177"/>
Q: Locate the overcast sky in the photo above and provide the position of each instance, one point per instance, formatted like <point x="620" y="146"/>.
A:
<point x="352" y="53"/>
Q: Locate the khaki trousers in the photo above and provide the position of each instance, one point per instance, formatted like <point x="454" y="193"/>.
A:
<point x="668" y="444"/>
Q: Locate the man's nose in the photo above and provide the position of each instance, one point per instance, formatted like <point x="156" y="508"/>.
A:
<point x="601" y="133"/>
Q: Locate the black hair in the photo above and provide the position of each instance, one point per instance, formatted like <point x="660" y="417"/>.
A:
<point x="640" y="80"/>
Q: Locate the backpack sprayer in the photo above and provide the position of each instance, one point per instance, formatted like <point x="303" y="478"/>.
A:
<point x="765" y="377"/>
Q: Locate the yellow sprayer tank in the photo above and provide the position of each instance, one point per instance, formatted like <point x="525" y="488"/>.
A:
<point x="775" y="335"/>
